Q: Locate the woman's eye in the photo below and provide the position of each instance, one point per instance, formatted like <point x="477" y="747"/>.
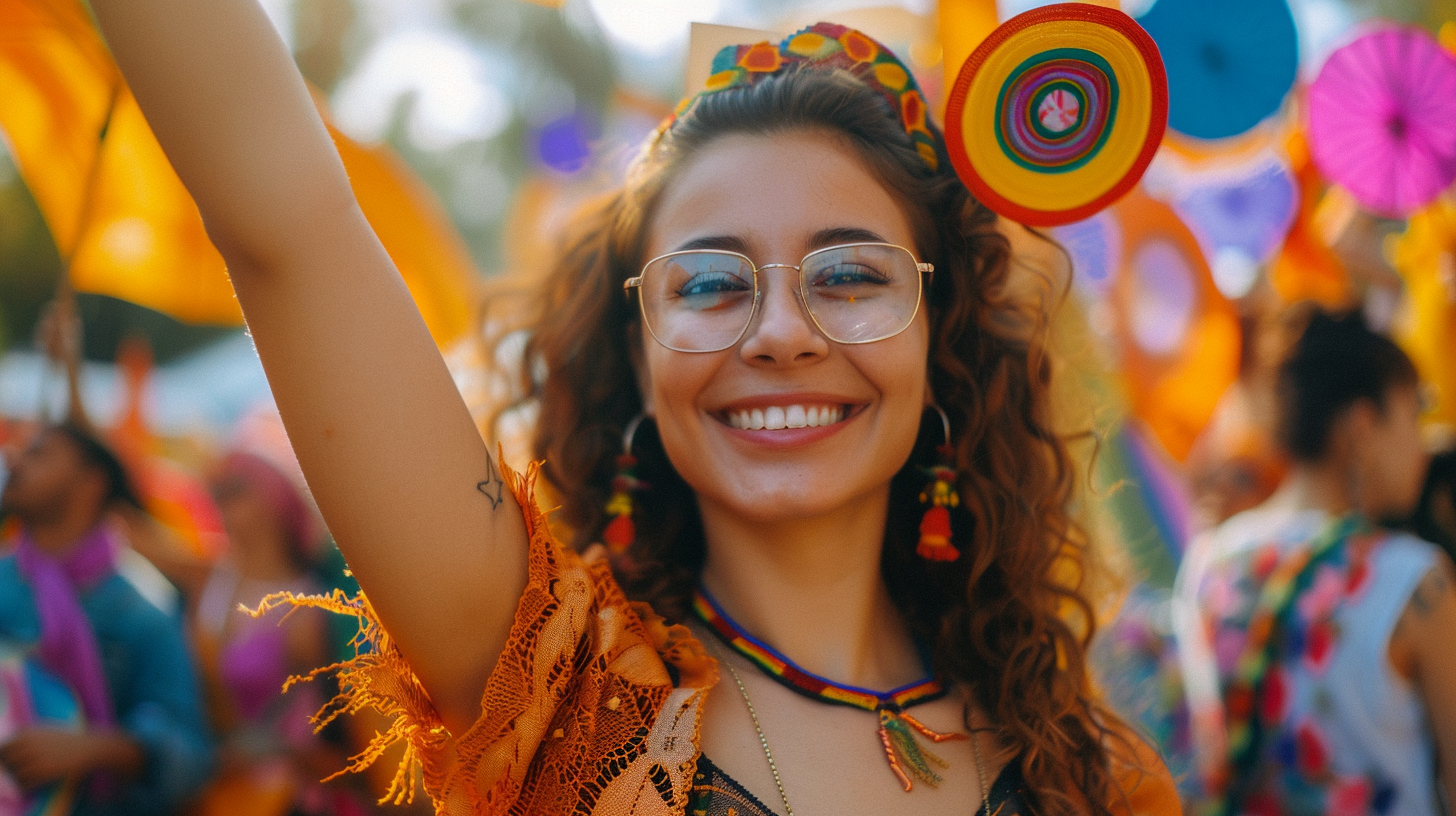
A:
<point x="713" y="283"/>
<point x="843" y="274"/>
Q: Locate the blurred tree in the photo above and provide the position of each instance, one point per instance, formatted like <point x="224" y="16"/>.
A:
<point x="551" y="63"/>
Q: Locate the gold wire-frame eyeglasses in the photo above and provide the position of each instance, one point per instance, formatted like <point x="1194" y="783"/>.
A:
<point x="860" y="294"/>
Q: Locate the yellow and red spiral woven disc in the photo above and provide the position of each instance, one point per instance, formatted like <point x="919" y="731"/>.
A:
<point x="1058" y="113"/>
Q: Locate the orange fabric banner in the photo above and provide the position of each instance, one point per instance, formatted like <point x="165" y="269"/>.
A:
<point x="132" y="231"/>
<point x="1177" y="335"/>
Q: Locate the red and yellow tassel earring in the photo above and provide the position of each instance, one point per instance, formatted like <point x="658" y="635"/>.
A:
<point x="621" y="531"/>
<point x="941" y="495"/>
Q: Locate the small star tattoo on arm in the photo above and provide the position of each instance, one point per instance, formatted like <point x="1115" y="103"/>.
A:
<point x="491" y="486"/>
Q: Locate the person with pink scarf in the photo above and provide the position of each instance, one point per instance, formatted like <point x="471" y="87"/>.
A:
<point x="145" y="748"/>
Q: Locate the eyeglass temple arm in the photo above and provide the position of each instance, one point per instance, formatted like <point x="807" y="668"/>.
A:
<point x="631" y="283"/>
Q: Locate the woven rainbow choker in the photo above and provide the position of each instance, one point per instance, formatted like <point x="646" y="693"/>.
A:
<point x="908" y="760"/>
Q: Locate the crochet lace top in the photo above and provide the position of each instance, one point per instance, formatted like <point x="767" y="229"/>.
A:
<point x="582" y="714"/>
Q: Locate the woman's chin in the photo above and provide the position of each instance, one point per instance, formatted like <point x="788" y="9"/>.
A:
<point x="789" y="498"/>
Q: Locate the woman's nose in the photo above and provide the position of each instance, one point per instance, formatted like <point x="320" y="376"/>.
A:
<point x="782" y="330"/>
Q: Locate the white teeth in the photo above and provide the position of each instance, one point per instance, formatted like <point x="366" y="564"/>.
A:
<point x="773" y="418"/>
<point x="795" y="416"/>
<point x="776" y="417"/>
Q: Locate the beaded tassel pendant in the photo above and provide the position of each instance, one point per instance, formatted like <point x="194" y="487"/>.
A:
<point x="941" y="495"/>
<point x="907" y="759"/>
<point x="621" y="531"/>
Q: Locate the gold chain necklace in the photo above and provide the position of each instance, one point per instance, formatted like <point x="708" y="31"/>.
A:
<point x="774" y="768"/>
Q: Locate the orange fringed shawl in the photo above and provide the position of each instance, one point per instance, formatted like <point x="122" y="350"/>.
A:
<point x="579" y="716"/>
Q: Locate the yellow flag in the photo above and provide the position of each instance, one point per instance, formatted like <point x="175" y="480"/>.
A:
<point x="143" y="240"/>
<point x="56" y="85"/>
<point x="133" y="232"/>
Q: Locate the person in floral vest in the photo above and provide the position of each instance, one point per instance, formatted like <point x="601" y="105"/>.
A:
<point x="1319" y="663"/>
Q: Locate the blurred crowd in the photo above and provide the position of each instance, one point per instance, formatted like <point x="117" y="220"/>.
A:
<point x="136" y="679"/>
<point x="133" y="678"/>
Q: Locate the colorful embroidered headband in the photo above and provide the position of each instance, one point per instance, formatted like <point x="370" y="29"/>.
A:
<point x="1053" y="118"/>
<point x="827" y="46"/>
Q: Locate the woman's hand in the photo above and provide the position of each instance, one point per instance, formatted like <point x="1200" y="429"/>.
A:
<point x="390" y="451"/>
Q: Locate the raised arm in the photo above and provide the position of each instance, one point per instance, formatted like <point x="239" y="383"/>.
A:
<point x="402" y="476"/>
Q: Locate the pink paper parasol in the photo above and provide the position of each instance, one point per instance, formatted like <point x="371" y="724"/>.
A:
<point x="1382" y="120"/>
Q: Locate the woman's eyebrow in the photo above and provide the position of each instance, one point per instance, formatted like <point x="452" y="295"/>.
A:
<point x="731" y="243"/>
<point x="844" y="235"/>
<point x="823" y="238"/>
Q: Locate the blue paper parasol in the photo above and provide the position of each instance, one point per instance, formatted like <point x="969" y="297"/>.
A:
<point x="1230" y="63"/>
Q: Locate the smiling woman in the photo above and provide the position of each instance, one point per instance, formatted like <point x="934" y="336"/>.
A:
<point x="787" y="453"/>
<point x="790" y="315"/>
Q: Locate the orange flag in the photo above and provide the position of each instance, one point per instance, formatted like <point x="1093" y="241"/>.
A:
<point x="131" y="230"/>
<point x="418" y="234"/>
<point x="1177" y="335"/>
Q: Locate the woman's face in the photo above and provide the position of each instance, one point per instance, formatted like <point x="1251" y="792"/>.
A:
<point x="775" y="199"/>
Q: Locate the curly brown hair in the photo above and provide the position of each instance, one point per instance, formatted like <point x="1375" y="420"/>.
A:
<point x="1009" y="619"/>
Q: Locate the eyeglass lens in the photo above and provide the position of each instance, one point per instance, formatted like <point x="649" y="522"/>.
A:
<point x="704" y="300"/>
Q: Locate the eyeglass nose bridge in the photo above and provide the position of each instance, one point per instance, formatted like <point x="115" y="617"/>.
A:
<point x="797" y="290"/>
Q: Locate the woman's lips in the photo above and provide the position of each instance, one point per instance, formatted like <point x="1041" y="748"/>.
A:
<point x="779" y="417"/>
<point x="787" y="424"/>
